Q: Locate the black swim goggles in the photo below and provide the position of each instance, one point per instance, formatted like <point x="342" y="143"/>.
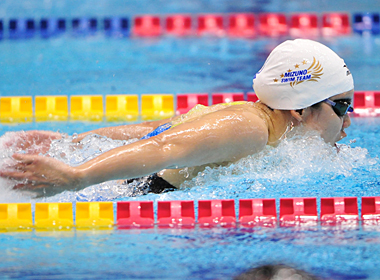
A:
<point x="340" y="107"/>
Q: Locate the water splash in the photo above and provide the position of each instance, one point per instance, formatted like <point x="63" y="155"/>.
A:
<point x="299" y="166"/>
<point x="77" y="153"/>
<point x="8" y="146"/>
<point x="88" y="148"/>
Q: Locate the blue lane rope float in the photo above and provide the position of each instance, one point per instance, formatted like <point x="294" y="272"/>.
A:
<point x="52" y="27"/>
<point x="366" y="23"/>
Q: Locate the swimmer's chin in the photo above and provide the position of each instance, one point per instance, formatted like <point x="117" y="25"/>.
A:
<point x="342" y="136"/>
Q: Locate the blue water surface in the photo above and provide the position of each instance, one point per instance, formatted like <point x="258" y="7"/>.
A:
<point x="97" y="64"/>
<point x="298" y="168"/>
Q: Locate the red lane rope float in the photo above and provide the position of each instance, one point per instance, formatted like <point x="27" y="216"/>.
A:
<point x="211" y="24"/>
<point x="257" y="212"/>
<point x="294" y="211"/>
<point x="304" y="26"/>
<point x="370" y="210"/>
<point x="367" y="103"/>
<point x="241" y="25"/>
<point x="147" y="26"/>
<point x="179" y="25"/>
<point x="213" y="212"/>
<point x="339" y="210"/>
<point x="335" y="24"/>
<point x="175" y="213"/>
<point x="135" y="214"/>
<point x="227" y="97"/>
<point x="186" y="102"/>
<point x="273" y="25"/>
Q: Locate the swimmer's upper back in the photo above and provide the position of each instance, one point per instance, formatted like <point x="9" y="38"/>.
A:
<point x="200" y="110"/>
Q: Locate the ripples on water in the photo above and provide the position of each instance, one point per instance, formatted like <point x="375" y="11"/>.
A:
<point x="299" y="166"/>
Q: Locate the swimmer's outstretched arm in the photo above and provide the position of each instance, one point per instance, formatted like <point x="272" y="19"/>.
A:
<point x="126" y="132"/>
<point x="38" y="141"/>
<point x="223" y="136"/>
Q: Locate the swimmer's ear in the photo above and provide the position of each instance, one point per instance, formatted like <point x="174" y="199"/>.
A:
<point x="297" y="114"/>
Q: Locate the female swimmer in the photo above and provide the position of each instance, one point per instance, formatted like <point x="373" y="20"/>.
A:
<point x="301" y="83"/>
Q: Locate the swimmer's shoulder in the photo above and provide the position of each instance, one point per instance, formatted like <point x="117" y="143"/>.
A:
<point x="255" y="111"/>
<point x="244" y="107"/>
<point x="257" y="108"/>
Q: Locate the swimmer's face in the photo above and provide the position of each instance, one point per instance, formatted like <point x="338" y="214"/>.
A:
<point x="326" y="121"/>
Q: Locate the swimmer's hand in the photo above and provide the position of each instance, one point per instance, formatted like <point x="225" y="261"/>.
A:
<point x="43" y="175"/>
<point x="32" y="142"/>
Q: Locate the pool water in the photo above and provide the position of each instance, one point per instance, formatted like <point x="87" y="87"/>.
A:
<point x="99" y="65"/>
<point x="298" y="168"/>
<point x="217" y="253"/>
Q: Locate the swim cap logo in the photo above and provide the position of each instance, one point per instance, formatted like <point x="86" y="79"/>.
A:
<point x="296" y="77"/>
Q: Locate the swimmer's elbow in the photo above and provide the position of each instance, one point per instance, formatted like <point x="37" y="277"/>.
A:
<point x="168" y="155"/>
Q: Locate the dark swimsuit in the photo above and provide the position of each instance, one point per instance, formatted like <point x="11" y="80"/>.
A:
<point x="152" y="183"/>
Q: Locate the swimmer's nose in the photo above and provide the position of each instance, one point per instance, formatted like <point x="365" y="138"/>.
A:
<point x="346" y="121"/>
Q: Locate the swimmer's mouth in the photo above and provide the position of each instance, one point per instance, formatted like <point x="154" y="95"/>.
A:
<point x="343" y="134"/>
<point x="337" y="147"/>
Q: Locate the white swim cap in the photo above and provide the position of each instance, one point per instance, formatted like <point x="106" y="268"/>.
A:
<point x="300" y="73"/>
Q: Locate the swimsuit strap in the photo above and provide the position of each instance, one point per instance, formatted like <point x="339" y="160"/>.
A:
<point x="157" y="131"/>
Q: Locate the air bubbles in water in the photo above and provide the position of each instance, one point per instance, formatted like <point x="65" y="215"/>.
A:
<point x="300" y="166"/>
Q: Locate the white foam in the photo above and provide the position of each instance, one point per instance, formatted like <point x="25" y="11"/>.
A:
<point x="300" y="160"/>
<point x="297" y="159"/>
<point x="8" y="146"/>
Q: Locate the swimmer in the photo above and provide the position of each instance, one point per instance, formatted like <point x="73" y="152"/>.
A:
<point x="275" y="272"/>
<point x="302" y="84"/>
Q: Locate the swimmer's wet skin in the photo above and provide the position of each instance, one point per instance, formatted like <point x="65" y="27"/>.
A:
<point x="302" y="83"/>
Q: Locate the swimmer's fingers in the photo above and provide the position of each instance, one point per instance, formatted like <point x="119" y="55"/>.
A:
<point x="37" y="172"/>
<point x="12" y="175"/>
<point x="20" y="186"/>
<point x="25" y="168"/>
<point x="22" y="162"/>
<point x="24" y="159"/>
<point x="28" y="180"/>
<point x="29" y="186"/>
<point x="19" y="175"/>
<point x="20" y="165"/>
